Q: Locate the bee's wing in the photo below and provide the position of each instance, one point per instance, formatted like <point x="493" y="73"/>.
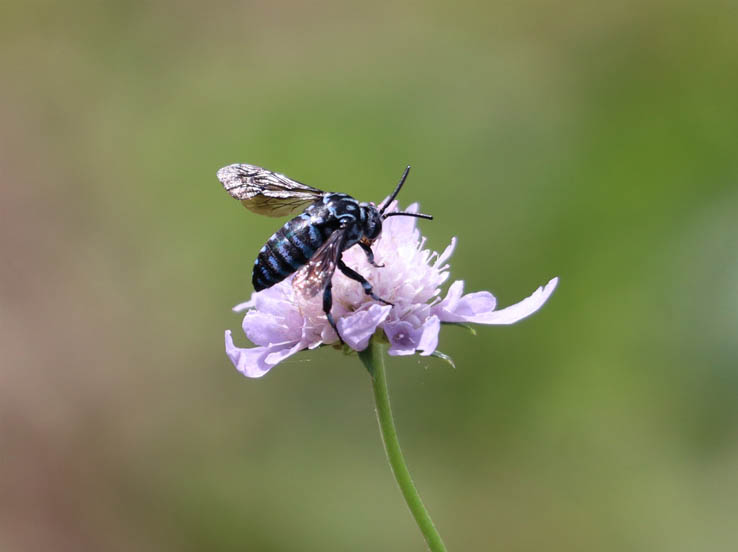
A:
<point x="314" y="276"/>
<point x="265" y="192"/>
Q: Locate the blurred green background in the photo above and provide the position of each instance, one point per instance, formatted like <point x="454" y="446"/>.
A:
<point x="594" y="141"/>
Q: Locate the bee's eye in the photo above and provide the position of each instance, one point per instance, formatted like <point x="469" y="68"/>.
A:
<point x="372" y="221"/>
<point x="374" y="225"/>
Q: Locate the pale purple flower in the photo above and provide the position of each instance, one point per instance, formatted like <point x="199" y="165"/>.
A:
<point x="281" y="322"/>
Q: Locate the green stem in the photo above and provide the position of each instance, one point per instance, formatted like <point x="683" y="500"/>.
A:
<point x="373" y="359"/>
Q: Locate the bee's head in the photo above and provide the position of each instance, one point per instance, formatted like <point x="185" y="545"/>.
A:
<point x="372" y="221"/>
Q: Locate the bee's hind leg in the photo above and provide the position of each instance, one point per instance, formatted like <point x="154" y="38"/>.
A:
<point x="359" y="278"/>
<point x="327" y="305"/>
<point x="369" y="255"/>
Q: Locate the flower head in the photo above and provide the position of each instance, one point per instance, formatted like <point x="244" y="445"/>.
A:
<point x="281" y="322"/>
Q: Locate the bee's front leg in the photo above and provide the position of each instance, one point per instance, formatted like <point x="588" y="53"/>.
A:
<point x="369" y="254"/>
<point x="359" y="278"/>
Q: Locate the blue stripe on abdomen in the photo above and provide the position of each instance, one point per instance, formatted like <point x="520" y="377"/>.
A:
<point x="276" y="265"/>
<point x="261" y="277"/>
<point x="290" y="248"/>
<point x="303" y="251"/>
<point x="288" y="253"/>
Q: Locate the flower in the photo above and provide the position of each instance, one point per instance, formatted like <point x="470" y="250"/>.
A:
<point x="280" y="322"/>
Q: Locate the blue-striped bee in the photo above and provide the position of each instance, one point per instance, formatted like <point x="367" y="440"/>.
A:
<point x="312" y="243"/>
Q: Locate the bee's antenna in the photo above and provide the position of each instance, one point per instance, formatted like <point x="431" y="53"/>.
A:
<point x="397" y="191"/>
<point x="417" y="215"/>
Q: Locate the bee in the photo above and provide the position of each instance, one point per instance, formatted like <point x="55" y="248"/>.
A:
<point x="312" y="243"/>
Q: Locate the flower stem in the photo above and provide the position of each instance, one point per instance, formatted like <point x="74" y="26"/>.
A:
<point x="373" y="359"/>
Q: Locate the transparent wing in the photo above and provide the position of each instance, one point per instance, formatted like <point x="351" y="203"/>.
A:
<point x="313" y="277"/>
<point x="266" y="192"/>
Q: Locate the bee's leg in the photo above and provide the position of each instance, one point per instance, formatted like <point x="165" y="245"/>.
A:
<point x="359" y="278"/>
<point x="327" y="304"/>
<point x="369" y="254"/>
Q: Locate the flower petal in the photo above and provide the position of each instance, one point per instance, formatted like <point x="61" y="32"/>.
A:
<point x="276" y="299"/>
<point x="446" y="255"/>
<point x="244" y="306"/>
<point x="479" y="307"/>
<point x="356" y="328"/>
<point x="257" y="361"/>
<point x="278" y="354"/>
<point x="454" y="308"/>
<point x="400" y="335"/>
<point x="407" y="340"/>
<point x="267" y="329"/>
<point x="429" y="337"/>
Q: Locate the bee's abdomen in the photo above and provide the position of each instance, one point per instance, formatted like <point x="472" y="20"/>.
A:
<point x="290" y="248"/>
